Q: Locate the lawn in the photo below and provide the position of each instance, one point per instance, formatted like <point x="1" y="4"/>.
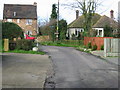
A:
<point x="65" y="43"/>
<point x="25" y="52"/>
<point x="77" y="44"/>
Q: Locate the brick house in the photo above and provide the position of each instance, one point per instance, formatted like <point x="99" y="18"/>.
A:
<point x="23" y="15"/>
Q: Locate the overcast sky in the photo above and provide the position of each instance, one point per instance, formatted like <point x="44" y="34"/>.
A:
<point x="44" y="8"/>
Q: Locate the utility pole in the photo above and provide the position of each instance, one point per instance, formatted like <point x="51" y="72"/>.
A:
<point x="57" y="33"/>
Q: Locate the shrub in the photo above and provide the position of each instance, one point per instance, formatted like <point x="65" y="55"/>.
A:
<point x="89" y="45"/>
<point x="94" y="47"/>
<point x="12" y="45"/>
<point x="11" y="30"/>
<point x="102" y="47"/>
<point x="24" y="44"/>
<point x="74" y="37"/>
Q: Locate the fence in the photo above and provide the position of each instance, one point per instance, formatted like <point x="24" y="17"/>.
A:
<point x="99" y="41"/>
<point x="111" y="47"/>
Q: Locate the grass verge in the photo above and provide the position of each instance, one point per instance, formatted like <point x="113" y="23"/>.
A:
<point x="25" y="52"/>
<point x="79" y="47"/>
<point x="50" y="43"/>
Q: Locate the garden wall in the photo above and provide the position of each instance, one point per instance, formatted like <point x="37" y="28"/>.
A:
<point x="43" y="38"/>
<point x="99" y="41"/>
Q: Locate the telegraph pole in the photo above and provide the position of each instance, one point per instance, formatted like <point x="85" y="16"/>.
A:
<point x="57" y="33"/>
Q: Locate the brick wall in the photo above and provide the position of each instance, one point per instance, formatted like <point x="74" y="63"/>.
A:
<point x="43" y="38"/>
<point x="99" y="41"/>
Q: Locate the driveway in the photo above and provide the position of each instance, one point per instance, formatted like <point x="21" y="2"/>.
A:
<point x="76" y="69"/>
<point x="24" y="70"/>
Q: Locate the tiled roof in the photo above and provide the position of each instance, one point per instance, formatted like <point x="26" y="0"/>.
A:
<point x="78" y="23"/>
<point x="19" y="11"/>
<point x="104" y="20"/>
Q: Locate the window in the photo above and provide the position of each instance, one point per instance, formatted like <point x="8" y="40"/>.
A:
<point x="18" y="20"/>
<point x="29" y="32"/>
<point x="14" y="13"/>
<point x="29" y="22"/>
<point x="76" y="32"/>
<point x="9" y="20"/>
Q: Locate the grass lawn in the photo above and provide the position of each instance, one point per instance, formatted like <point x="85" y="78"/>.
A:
<point x="62" y="44"/>
<point x="76" y="44"/>
<point x="25" y="52"/>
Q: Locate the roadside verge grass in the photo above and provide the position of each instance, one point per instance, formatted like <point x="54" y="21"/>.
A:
<point x="25" y="52"/>
<point x="61" y="44"/>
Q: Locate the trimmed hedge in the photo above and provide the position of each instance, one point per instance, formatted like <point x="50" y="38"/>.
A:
<point x="24" y="44"/>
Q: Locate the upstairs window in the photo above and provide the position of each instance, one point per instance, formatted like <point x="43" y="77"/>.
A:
<point x="14" y="13"/>
<point x="28" y="21"/>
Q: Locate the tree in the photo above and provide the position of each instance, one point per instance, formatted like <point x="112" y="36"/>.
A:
<point x="87" y="8"/>
<point x="108" y="31"/>
<point x="11" y="30"/>
<point x="54" y="12"/>
<point x="62" y="29"/>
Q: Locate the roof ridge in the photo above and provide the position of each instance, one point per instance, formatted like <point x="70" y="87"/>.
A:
<point x="20" y="4"/>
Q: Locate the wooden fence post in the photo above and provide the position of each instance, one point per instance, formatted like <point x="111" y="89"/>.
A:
<point x="6" y="44"/>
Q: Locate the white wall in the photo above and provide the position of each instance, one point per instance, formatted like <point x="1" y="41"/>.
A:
<point x="72" y="31"/>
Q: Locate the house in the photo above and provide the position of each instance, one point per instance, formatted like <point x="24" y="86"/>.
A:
<point x="77" y="25"/>
<point x="23" y="15"/>
<point x="105" y="21"/>
<point x="98" y="24"/>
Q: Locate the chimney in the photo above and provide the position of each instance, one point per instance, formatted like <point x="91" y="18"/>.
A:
<point x="35" y="4"/>
<point x="112" y="14"/>
<point x="77" y="14"/>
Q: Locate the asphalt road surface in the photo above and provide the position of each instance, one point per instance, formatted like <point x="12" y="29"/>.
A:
<point x="24" y="70"/>
<point x="76" y="69"/>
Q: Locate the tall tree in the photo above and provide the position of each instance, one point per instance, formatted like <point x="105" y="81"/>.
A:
<point x="62" y="29"/>
<point x="87" y="8"/>
<point x="54" y="12"/>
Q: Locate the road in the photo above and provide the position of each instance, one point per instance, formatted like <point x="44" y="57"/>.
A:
<point x="76" y="69"/>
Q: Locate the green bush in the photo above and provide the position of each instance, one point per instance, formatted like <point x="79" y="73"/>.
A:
<point x="94" y="47"/>
<point x="102" y="47"/>
<point x="24" y="44"/>
<point x="89" y="45"/>
<point x="11" y="30"/>
<point x="12" y="45"/>
<point x="74" y="37"/>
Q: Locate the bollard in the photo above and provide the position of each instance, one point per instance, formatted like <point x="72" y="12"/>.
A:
<point x="6" y="44"/>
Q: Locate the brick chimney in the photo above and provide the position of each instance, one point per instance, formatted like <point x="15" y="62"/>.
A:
<point x="77" y="14"/>
<point x="112" y="14"/>
<point x="35" y="4"/>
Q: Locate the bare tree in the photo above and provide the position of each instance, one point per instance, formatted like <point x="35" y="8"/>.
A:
<point x="87" y="9"/>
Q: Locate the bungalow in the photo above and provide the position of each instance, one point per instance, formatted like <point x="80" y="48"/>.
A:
<point x="77" y="25"/>
<point x="98" y="23"/>
<point x="102" y="22"/>
<point x="23" y="15"/>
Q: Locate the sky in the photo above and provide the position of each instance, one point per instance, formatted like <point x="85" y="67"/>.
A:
<point x="44" y="8"/>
